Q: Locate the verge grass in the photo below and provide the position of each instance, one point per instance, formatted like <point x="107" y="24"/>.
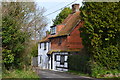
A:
<point x="78" y="73"/>
<point x="16" y="73"/>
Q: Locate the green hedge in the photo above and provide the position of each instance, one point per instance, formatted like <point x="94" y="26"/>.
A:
<point x="79" y="62"/>
<point x="108" y="57"/>
<point x="101" y="36"/>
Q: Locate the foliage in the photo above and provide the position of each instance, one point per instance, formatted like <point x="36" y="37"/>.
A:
<point x="34" y="51"/>
<point x="75" y="61"/>
<point x="20" y="74"/>
<point x="100" y="71"/>
<point x="12" y="38"/>
<point x="18" y="19"/>
<point x="101" y="33"/>
<point x="77" y="73"/>
<point x="61" y="16"/>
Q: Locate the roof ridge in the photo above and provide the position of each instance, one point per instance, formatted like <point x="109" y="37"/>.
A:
<point x="67" y="18"/>
<point x="75" y="26"/>
<point x="66" y="22"/>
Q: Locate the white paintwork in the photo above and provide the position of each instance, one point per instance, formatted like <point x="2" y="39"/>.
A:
<point x="43" y="54"/>
<point x="55" y="63"/>
<point x="46" y="63"/>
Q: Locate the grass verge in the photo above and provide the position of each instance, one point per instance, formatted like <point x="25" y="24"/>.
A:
<point x="78" y="73"/>
<point x="16" y="73"/>
<point x="87" y="75"/>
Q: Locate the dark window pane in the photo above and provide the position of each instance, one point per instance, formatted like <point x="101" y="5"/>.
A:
<point x="44" y="46"/>
<point x="60" y="41"/>
<point x="40" y="45"/>
<point x="62" y="59"/>
<point x="40" y="58"/>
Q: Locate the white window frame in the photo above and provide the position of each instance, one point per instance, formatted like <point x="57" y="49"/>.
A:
<point x="53" y="30"/>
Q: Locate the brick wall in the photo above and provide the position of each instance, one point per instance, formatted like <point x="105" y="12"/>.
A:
<point x="74" y="40"/>
<point x="55" y="45"/>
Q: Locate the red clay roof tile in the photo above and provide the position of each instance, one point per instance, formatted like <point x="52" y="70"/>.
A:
<point x="69" y="23"/>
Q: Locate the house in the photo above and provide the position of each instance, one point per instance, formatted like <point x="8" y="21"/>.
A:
<point x="63" y="40"/>
<point x="43" y="48"/>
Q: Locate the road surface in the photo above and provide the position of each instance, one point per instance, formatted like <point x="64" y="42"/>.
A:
<point x="56" y="75"/>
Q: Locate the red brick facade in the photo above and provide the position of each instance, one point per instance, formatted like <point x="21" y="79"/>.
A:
<point x="71" y="42"/>
<point x="56" y="45"/>
<point x="74" y="41"/>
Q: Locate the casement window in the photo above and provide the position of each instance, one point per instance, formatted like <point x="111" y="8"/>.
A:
<point x="55" y="57"/>
<point x="40" y="45"/>
<point x="53" y="30"/>
<point x="62" y="59"/>
<point x="60" y="41"/>
<point x="45" y="46"/>
<point x="40" y="58"/>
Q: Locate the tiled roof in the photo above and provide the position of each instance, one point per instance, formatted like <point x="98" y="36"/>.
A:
<point x="50" y="52"/>
<point x="70" y="22"/>
<point x="45" y="39"/>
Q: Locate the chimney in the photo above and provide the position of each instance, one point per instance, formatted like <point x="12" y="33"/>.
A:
<point x="75" y="8"/>
<point x="47" y="33"/>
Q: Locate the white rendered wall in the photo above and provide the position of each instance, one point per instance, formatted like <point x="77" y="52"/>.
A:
<point x="55" y="63"/>
<point x="45" y="64"/>
<point x="43" y="54"/>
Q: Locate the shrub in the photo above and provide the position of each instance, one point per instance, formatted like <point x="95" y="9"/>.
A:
<point x="79" y="62"/>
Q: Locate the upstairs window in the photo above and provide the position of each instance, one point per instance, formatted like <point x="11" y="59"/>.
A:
<point x="45" y="46"/>
<point x="40" y="45"/>
<point x="53" y="30"/>
<point x="60" y="41"/>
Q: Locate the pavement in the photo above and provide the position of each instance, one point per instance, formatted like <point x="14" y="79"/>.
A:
<point x="56" y="75"/>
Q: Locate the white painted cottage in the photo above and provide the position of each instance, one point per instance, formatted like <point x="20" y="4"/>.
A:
<point x="54" y="49"/>
<point x="43" y="48"/>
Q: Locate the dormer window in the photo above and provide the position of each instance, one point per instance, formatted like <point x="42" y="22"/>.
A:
<point x="53" y="30"/>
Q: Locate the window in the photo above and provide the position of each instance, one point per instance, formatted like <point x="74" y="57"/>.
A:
<point x="40" y="58"/>
<point x="62" y="59"/>
<point x="40" y="45"/>
<point x="44" y="46"/>
<point x="60" y="41"/>
<point x="55" y="57"/>
<point x="53" y="30"/>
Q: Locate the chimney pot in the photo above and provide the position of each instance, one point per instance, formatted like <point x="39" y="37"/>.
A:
<point x="75" y="8"/>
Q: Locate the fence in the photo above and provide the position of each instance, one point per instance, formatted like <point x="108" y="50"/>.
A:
<point x="35" y="61"/>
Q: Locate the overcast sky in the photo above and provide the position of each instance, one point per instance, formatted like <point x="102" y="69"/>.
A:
<point x="53" y="5"/>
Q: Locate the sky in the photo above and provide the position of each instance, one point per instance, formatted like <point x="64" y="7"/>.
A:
<point x="53" y="5"/>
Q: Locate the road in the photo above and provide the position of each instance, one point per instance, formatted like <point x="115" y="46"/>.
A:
<point x="55" y="75"/>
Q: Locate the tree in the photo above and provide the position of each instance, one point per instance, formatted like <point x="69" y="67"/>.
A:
<point x="17" y="29"/>
<point x="61" y="16"/>
<point x="101" y="33"/>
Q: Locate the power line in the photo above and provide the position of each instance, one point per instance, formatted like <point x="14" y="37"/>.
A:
<point x="53" y="6"/>
<point x="61" y="8"/>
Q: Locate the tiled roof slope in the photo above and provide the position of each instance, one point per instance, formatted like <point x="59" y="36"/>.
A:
<point x="70" y="22"/>
<point x="45" y="39"/>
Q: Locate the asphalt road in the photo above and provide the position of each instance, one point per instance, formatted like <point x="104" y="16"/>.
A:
<point x="55" y="75"/>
